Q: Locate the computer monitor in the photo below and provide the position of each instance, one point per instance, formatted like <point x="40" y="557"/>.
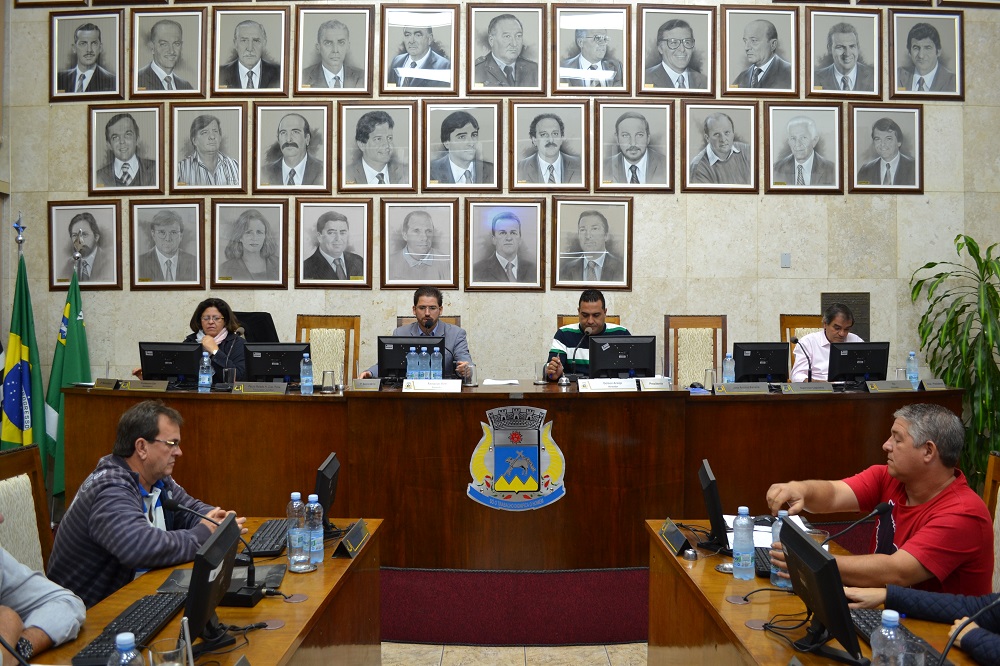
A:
<point x="326" y="490"/>
<point x="274" y="361"/>
<point x="170" y="361"/>
<point x="210" y="578"/>
<point x="816" y="580"/>
<point x="392" y="350"/>
<point x="761" y="361"/>
<point x="718" y="539"/>
<point x="858" y="361"/>
<point x="622" y="356"/>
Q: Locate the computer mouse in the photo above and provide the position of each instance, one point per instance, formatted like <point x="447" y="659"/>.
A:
<point x="767" y="519"/>
<point x="697" y="385"/>
<point x="242" y="560"/>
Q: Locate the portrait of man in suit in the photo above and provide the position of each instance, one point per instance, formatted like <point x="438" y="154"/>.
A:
<point x="505" y="66"/>
<point x="420" y="65"/>
<point x="125" y="168"/>
<point x="296" y="167"/>
<point x="804" y="166"/>
<point x="892" y="168"/>
<point x="96" y="264"/>
<point x="461" y="163"/>
<point x="208" y="165"/>
<point x="333" y="45"/>
<point x="847" y="72"/>
<point x="167" y="261"/>
<point x="724" y="160"/>
<point x="509" y="261"/>
<point x="165" y="43"/>
<point x="591" y="67"/>
<point x="675" y="42"/>
<point x="549" y="164"/>
<point x="925" y="73"/>
<point x="377" y="163"/>
<point x="767" y="70"/>
<point x="592" y="262"/>
<point x="332" y="260"/>
<point x="418" y="260"/>
<point x="86" y="75"/>
<point x="249" y="70"/>
<point x="634" y="162"/>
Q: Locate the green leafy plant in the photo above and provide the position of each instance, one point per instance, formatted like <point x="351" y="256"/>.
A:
<point x="960" y="333"/>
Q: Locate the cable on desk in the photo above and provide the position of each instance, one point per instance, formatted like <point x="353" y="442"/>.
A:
<point x="786" y="590"/>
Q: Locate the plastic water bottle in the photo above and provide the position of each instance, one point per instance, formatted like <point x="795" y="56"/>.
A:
<point x="411" y="363"/>
<point x="776" y="580"/>
<point x="314" y="526"/>
<point x="913" y="370"/>
<point x="424" y="367"/>
<point x="205" y="374"/>
<point x="306" y="375"/>
<point x="125" y="654"/>
<point x="743" y="545"/>
<point x="888" y="646"/>
<point x="728" y="370"/>
<point x="298" y="554"/>
<point x="437" y="364"/>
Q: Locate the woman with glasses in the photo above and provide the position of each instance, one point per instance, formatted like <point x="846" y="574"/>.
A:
<point x="214" y="326"/>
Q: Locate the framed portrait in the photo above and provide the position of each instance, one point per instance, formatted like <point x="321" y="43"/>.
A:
<point x="419" y="243"/>
<point x="86" y="56"/>
<point x="338" y="62"/>
<point x="380" y="157"/>
<point x="548" y="146"/>
<point x="634" y="145"/>
<point x="207" y="151"/>
<point x="844" y="50"/>
<point x="462" y="144"/>
<point x="886" y="148"/>
<point x="678" y="50"/>
<point x="761" y="51"/>
<point x="593" y="48"/>
<point x="126" y="149"/>
<point x="419" y="49"/>
<point x="18" y="4"/>
<point x="926" y="54"/>
<point x="592" y="244"/>
<point x="87" y="231"/>
<point x="719" y="147"/>
<point x="167" y="49"/>
<point x="803" y="148"/>
<point x="167" y="244"/>
<point x="333" y="247"/>
<point x="292" y="146"/>
<point x="251" y="51"/>
<point x="509" y="46"/>
<point x="505" y="244"/>
<point x="248" y="241"/>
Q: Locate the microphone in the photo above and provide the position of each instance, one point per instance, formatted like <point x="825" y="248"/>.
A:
<point x="880" y="510"/>
<point x="586" y="333"/>
<point x="248" y="595"/>
<point x="809" y="367"/>
<point x="958" y="630"/>
<point x="22" y="662"/>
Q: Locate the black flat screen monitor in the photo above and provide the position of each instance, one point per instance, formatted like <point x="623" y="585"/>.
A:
<point x="170" y="361"/>
<point x="718" y="539"/>
<point x="392" y="350"/>
<point x="622" y="356"/>
<point x="210" y="578"/>
<point x="816" y="580"/>
<point x="326" y="489"/>
<point x="761" y="361"/>
<point x="858" y="361"/>
<point x="275" y="361"/>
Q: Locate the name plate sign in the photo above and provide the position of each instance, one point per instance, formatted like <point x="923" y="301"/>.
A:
<point x="606" y="385"/>
<point x="271" y="388"/>
<point x="890" y="386"/>
<point x="807" y="387"/>
<point x="432" y="386"/>
<point x="143" y="385"/>
<point x="655" y="384"/>
<point x="673" y="537"/>
<point x="355" y="538"/>
<point x="106" y="384"/>
<point x="372" y="384"/>
<point x="741" y="388"/>
<point x="934" y="384"/>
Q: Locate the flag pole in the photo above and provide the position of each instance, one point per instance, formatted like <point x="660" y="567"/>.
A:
<point x="20" y="234"/>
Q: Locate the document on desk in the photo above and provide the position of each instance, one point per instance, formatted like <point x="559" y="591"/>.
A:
<point x="761" y="533"/>
<point x="501" y="382"/>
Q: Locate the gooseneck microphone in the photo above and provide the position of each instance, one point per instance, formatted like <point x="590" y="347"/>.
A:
<point x="809" y="366"/>
<point x="880" y="510"/>
<point x="587" y="332"/>
<point x="958" y="630"/>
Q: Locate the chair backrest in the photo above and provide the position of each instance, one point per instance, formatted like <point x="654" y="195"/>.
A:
<point x="565" y="319"/>
<point x="796" y="326"/>
<point x="257" y="326"/>
<point x="693" y="343"/>
<point x="26" y="532"/>
<point x="334" y="341"/>
<point x="406" y="320"/>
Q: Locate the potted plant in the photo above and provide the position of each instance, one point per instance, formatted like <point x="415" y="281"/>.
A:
<point x="960" y="333"/>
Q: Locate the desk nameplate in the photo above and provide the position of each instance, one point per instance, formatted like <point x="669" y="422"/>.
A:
<point x="143" y="385"/>
<point x="272" y="388"/>
<point x="742" y="388"/>
<point x="352" y="542"/>
<point x="371" y="384"/>
<point x="655" y="384"/>
<point x="807" y="387"/>
<point x="432" y="386"/>
<point x="606" y="385"/>
<point x="890" y="386"/>
<point x="106" y="384"/>
<point x="934" y="384"/>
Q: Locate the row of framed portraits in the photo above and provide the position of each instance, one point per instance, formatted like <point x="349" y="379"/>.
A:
<point x="420" y="143"/>
<point x="591" y="243"/>
<point x="712" y="52"/>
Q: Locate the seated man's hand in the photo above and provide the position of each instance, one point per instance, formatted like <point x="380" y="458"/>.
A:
<point x="780" y="494"/>
<point x="137" y="373"/>
<point x="240" y="520"/>
<point x="365" y="375"/>
<point x="969" y="627"/>
<point x="11" y="627"/>
<point x="218" y="514"/>
<point x="462" y="368"/>
<point x="865" y="597"/>
<point x="554" y="369"/>
<point x="778" y="560"/>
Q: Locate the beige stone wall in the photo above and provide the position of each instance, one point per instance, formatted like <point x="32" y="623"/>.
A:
<point x="694" y="253"/>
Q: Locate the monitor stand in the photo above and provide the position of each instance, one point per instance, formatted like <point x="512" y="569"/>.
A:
<point x="815" y="643"/>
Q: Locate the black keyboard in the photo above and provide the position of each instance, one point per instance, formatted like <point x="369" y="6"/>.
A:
<point x="762" y="561"/>
<point x="144" y="618"/>
<point x="270" y="538"/>
<point x="867" y="620"/>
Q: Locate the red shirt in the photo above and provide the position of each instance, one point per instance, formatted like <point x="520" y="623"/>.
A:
<point x="951" y="535"/>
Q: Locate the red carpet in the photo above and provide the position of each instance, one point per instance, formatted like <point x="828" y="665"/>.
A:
<point x="435" y="606"/>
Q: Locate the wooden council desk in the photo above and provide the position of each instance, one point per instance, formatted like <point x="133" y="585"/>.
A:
<point x="690" y="621"/>
<point x="339" y="623"/>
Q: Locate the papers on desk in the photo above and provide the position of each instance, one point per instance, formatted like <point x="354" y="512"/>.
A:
<point x="761" y="533"/>
<point x="500" y="382"/>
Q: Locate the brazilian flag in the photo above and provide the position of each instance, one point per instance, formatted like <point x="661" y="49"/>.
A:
<point x="23" y="397"/>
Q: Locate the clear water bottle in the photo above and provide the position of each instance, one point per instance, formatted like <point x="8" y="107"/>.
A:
<point x="424" y="366"/>
<point x="913" y="370"/>
<point x="743" y="545"/>
<point x="314" y="526"/>
<point x="298" y="553"/>
<point x="411" y="364"/>
<point x="437" y="364"/>
<point x="306" y="375"/>
<point x="728" y="370"/>
<point x="205" y="374"/>
<point x="888" y="645"/>
<point x="126" y="653"/>
<point x="776" y="580"/>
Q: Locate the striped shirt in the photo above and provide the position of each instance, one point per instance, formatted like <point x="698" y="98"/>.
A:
<point x="191" y="171"/>
<point x="568" y="337"/>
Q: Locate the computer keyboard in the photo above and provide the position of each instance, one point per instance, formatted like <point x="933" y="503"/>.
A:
<point x="762" y="561"/>
<point x="144" y="618"/>
<point x="270" y="538"/>
<point x="866" y="620"/>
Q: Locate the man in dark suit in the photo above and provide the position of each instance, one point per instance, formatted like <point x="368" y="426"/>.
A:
<point x="461" y="163"/>
<point x="593" y="263"/>
<point x="296" y="168"/>
<point x="591" y="68"/>
<point x="331" y="260"/>
<point x="548" y="164"/>
<point x="166" y="261"/>
<point x="126" y="169"/>
<point x="249" y="70"/>
<point x="635" y="162"/>
<point x="377" y="164"/>
<point x="891" y="167"/>
<point x="847" y="72"/>
<point x="923" y="43"/>
<point x="767" y="69"/>
<point x="675" y="44"/>
<point x="86" y="238"/>
<point x="333" y="43"/>
<point x="503" y="66"/>
<point x="166" y="39"/>
<point x="505" y="264"/>
<point x="87" y="76"/>
<point x="419" y="67"/>
<point x="804" y="166"/>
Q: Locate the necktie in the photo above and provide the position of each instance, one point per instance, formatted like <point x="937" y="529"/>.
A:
<point x="509" y="72"/>
<point x="126" y="176"/>
<point x="510" y="271"/>
<point x="80" y="80"/>
<point x="887" y="179"/>
<point x="467" y="177"/>
<point x="592" y="271"/>
<point x="381" y="178"/>
<point x="169" y="81"/>
<point x="594" y="82"/>
<point x="249" y="79"/>
<point x="680" y="81"/>
<point x="169" y="277"/>
<point x="406" y="81"/>
<point x="754" y="77"/>
<point x="85" y="271"/>
<point x="845" y="83"/>
<point x="635" y="175"/>
<point x="800" y="178"/>
<point x="337" y="83"/>
<point x="552" y="174"/>
<point x="920" y="84"/>
<point x="338" y="266"/>
<point x="291" y="177"/>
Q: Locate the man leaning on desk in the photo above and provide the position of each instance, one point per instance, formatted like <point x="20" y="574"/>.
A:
<point x="116" y="527"/>
<point x="813" y="350"/>
<point x="571" y="343"/>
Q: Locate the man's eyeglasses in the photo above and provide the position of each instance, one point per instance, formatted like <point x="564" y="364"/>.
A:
<point x="161" y="233"/>
<point x="674" y="43"/>
<point x="211" y="318"/>
<point x="171" y="443"/>
<point x="600" y="39"/>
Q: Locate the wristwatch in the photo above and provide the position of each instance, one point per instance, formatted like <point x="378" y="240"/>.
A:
<point x="25" y="648"/>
